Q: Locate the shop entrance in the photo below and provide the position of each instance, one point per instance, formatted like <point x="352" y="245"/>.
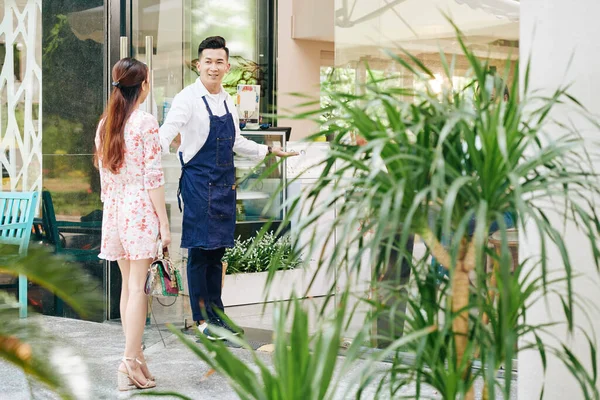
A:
<point x="165" y="34"/>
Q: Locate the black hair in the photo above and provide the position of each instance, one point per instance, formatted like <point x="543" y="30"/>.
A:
<point x="213" y="42"/>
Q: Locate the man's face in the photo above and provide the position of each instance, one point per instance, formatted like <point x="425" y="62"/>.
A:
<point x="213" y="65"/>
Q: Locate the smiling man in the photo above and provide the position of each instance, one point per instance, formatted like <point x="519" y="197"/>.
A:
<point x="205" y="116"/>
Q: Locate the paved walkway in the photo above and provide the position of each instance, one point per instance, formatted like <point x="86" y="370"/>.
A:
<point x="101" y="345"/>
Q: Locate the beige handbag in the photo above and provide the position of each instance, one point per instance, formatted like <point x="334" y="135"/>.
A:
<point x="163" y="278"/>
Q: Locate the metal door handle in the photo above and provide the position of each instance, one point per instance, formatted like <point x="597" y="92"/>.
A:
<point x="149" y="53"/>
<point x="124" y="47"/>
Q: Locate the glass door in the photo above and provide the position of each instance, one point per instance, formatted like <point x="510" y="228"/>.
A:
<point x="152" y="31"/>
<point x="178" y="26"/>
<point x="165" y="34"/>
<point x="158" y="38"/>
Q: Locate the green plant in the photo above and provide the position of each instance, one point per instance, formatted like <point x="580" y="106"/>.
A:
<point x="339" y="79"/>
<point x="305" y="366"/>
<point x="435" y="163"/>
<point x="256" y="254"/>
<point x="26" y="345"/>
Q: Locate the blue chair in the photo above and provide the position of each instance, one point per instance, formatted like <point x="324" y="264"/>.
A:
<point x="55" y="235"/>
<point x="55" y="231"/>
<point x="17" y="210"/>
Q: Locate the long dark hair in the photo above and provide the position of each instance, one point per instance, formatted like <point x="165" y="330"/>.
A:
<point x="128" y="74"/>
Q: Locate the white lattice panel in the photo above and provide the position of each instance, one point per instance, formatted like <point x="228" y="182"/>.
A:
<point x="21" y="95"/>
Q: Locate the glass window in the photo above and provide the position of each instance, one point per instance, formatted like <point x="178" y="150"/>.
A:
<point x="178" y="27"/>
<point x="365" y="28"/>
<point x="72" y="67"/>
<point x="247" y="25"/>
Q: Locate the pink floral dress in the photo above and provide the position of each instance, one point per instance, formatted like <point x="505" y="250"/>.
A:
<point x="130" y="225"/>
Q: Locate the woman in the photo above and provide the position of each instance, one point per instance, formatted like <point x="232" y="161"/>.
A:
<point x="128" y="157"/>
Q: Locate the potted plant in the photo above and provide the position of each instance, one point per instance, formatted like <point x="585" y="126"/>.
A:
<point x="246" y="266"/>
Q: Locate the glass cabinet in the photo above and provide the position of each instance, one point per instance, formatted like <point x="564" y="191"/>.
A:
<point x="259" y="194"/>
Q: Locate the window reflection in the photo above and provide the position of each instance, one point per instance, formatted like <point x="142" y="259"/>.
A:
<point x="247" y="25"/>
<point x="491" y="29"/>
<point x="72" y="67"/>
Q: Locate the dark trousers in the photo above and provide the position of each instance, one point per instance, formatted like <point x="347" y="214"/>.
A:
<point x="204" y="274"/>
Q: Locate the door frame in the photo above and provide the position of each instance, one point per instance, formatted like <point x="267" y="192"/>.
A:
<point x="117" y="13"/>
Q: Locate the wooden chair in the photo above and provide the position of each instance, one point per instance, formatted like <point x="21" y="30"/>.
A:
<point x="17" y="210"/>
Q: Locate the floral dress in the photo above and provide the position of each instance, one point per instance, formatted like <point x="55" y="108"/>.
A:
<point x="130" y="225"/>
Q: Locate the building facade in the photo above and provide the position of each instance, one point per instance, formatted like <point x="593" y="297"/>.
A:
<point x="57" y="58"/>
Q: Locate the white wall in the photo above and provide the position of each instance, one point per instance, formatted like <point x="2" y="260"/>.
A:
<point x="552" y="31"/>
<point x="298" y="70"/>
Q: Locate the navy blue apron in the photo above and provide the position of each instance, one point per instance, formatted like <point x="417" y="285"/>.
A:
<point x="207" y="187"/>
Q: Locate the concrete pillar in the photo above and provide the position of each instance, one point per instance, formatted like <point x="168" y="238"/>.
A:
<point x="298" y="70"/>
<point x="553" y="31"/>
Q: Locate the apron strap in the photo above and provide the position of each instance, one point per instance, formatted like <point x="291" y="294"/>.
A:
<point x="226" y="108"/>
<point x="207" y="107"/>
<point x="179" y="186"/>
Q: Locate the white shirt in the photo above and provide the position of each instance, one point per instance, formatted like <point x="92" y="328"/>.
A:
<point x="188" y="116"/>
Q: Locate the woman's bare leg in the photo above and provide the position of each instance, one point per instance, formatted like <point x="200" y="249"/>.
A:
<point x="124" y="266"/>
<point x="135" y="314"/>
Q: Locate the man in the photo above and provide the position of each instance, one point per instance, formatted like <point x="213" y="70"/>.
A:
<point x="205" y="116"/>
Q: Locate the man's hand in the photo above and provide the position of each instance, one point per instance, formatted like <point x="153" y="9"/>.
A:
<point x="278" y="152"/>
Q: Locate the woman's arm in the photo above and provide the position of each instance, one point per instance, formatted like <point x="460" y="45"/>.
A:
<point x="157" y="196"/>
<point x="154" y="181"/>
<point x="99" y="159"/>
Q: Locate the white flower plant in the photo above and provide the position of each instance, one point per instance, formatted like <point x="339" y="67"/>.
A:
<point x="255" y="254"/>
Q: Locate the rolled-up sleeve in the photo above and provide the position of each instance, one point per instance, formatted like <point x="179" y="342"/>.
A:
<point x="153" y="173"/>
<point x="179" y="115"/>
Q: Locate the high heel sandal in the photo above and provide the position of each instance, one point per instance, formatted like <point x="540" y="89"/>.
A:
<point x="125" y="378"/>
<point x="143" y="364"/>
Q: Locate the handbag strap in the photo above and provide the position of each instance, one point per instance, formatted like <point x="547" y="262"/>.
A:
<point x="156" y="322"/>
<point x="162" y="252"/>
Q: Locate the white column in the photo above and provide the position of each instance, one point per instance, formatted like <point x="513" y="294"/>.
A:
<point x="553" y="31"/>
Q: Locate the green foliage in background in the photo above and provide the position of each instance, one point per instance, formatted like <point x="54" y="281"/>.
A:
<point x="434" y="164"/>
<point x="73" y="92"/>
